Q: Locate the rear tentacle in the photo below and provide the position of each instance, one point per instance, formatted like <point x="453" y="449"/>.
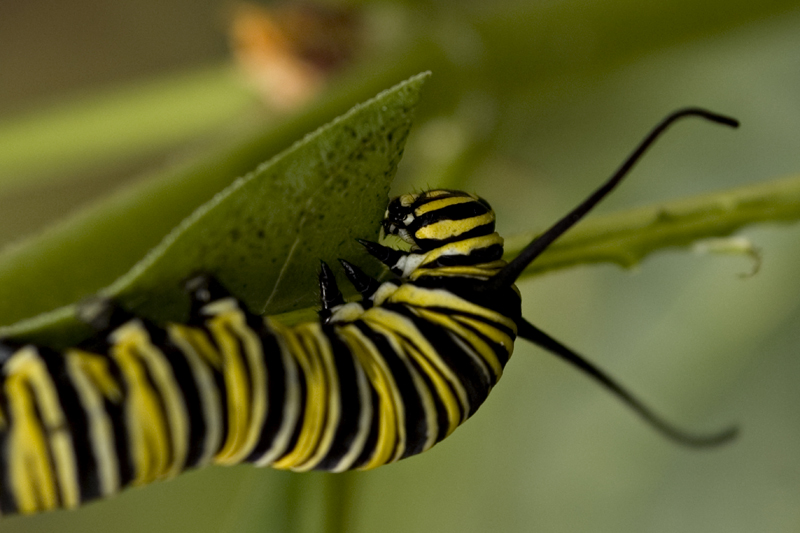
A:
<point x="528" y="331"/>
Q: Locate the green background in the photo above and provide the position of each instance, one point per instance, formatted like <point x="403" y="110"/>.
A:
<point x="531" y="104"/>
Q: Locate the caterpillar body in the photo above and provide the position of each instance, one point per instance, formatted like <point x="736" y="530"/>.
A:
<point x="369" y="383"/>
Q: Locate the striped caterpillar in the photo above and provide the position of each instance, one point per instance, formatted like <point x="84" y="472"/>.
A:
<point x="369" y="383"/>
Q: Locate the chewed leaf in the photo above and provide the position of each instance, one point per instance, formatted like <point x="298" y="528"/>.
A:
<point x="264" y="234"/>
<point x="732" y="246"/>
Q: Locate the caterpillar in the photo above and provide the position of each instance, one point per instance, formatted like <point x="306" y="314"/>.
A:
<point x="367" y="384"/>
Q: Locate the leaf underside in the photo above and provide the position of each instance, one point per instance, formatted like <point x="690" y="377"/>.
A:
<point x="263" y="236"/>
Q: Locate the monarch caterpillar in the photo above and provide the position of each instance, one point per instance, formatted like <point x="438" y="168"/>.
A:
<point x="369" y="383"/>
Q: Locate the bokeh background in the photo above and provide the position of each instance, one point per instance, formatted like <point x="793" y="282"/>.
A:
<point x="531" y="104"/>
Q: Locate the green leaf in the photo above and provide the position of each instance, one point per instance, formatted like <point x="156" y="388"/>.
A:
<point x="94" y="247"/>
<point x="264" y="234"/>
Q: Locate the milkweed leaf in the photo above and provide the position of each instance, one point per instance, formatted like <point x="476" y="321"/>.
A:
<point x="264" y="234"/>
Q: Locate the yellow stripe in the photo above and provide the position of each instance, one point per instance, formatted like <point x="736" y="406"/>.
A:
<point x="146" y="423"/>
<point x="176" y="413"/>
<point x="407" y="199"/>
<point x="200" y="344"/>
<point x="307" y="353"/>
<point x="424" y="354"/>
<point x="496" y="335"/>
<point x="333" y="406"/>
<point x="463" y="247"/>
<point x="481" y="353"/>
<point x="452" y="322"/>
<point x="446" y="229"/>
<point x="247" y="405"/>
<point x="171" y="395"/>
<point x="455" y="404"/>
<point x="435" y="205"/>
<point x="422" y="297"/>
<point x="30" y="472"/>
<point x="38" y="484"/>
<point x="390" y="410"/>
<point x="237" y="393"/>
<point x="477" y="272"/>
<point x="425" y="394"/>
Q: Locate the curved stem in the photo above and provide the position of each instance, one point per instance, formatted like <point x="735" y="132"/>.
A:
<point x="511" y="272"/>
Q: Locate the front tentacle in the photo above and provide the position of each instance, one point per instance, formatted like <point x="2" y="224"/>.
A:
<point x="394" y="259"/>
<point x="365" y="284"/>
<point x="329" y="294"/>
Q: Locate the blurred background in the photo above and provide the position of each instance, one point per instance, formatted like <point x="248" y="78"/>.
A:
<point x="531" y="105"/>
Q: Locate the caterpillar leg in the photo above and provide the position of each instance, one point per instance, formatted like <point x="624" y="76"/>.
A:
<point x="203" y="289"/>
<point x="102" y="313"/>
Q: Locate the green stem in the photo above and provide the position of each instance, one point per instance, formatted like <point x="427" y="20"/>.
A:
<point x="339" y="502"/>
<point x="628" y="237"/>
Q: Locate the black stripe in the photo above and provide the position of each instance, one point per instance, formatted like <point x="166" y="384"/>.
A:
<point x="372" y="439"/>
<point x="276" y="377"/>
<point x="190" y="395"/>
<point x="77" y="424"/>
<point x="218" y="376"/>
<point x="443" y="419"/>
<point x="469" y="373"/>
<point x="116" y="414"/>
<point x="476" y="256"/>
<point x="499" y="350"/>
<point x="450" y="212"/>
<point x="414" y="421"/>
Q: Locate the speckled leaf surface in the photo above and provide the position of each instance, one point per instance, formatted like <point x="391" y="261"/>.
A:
<point x="264" y="235"/>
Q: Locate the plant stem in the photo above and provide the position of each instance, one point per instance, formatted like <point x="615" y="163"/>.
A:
<point x="339" y="502"/>
<point x="628" y="237"/>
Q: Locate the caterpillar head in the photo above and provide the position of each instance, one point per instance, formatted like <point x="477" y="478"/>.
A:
<point x="430" y="219"/>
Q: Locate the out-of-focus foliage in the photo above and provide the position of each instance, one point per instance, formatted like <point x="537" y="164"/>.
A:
<point x="531" y="104"/>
